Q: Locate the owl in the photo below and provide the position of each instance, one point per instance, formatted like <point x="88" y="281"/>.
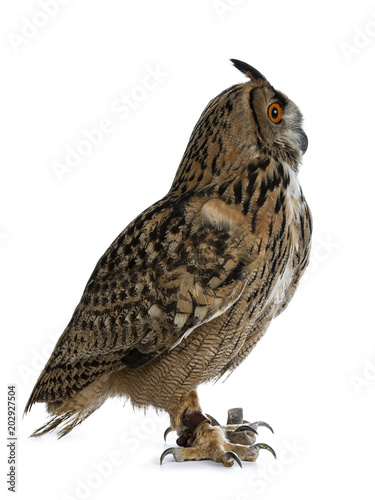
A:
<point x="189" y="287"/>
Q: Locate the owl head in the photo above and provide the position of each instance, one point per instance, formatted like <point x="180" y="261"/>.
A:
<point x="276" y="120"/>
<point x="245" y="123"/>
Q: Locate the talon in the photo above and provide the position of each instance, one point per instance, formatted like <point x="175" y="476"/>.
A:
<point x="167" y="431"/>
<point x="227" y="456"/>
<point x="214" y="422"/>
<point x="170" y="451"/>
<point x="243" y="428"/>
<point x="263" y="446"/>
<point x="260" y="424"/>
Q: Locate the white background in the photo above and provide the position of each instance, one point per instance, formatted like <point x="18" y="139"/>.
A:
<point x="312" y="377"/>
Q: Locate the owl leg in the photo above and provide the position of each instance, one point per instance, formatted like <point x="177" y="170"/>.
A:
<point x="202" y="438"/>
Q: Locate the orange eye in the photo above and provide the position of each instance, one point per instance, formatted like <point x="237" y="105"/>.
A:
<point x="275" y="112"/>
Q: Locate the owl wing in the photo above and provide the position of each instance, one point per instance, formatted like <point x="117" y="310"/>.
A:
<point x="174" y="268"/>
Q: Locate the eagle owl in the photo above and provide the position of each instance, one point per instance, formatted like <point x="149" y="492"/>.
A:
<point x="189" y="287"/>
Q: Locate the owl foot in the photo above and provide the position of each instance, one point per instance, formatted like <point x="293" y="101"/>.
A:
<point x="210" y="441"/>
<point x="240" y="431"/>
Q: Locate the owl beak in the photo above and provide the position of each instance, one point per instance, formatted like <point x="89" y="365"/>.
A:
<point x="303" y="141"/>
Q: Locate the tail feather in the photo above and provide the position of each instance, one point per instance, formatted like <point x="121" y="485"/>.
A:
<point x="67" y="422"/>
<point x="60" y="384"/>
<point x="68" y="414"/>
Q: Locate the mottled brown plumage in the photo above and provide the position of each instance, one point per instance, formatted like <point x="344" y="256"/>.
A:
<point x="190" y="286"/>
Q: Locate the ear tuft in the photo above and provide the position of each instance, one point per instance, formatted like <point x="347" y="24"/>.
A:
<point x="249" y="71"/>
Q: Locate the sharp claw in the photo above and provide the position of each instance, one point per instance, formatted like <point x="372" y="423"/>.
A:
<point x="243" y="428"/>
<point x="167" y="431"/>
<point x="260" y="424"/>
<point x="231" y="454"/>
<point x="263" y="446"/>
<point x="214" y="422"/>
<point x="169" y="451"/>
